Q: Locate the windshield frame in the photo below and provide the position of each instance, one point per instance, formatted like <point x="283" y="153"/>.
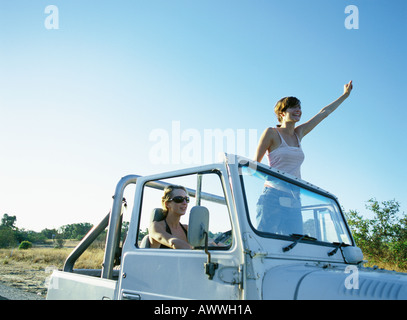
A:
<point x="299" y="183"/>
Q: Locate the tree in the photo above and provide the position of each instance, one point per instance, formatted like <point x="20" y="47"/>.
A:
<point x="8" y="221"/>
<point x="49" y="233"/>
<point x="7" y="237"/>
<point x="384" y="237"/>
<point x="124" y="230"/>
<point x="75" y="230"/>
<point x="7" y="231"/>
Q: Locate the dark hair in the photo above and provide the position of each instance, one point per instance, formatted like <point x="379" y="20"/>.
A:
<point x="283" y="104"/>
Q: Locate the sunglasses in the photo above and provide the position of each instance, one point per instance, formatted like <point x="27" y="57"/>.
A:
<point x="179" y="199"/>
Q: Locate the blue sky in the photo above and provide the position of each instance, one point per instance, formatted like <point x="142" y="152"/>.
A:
<point x="80" y="104"/>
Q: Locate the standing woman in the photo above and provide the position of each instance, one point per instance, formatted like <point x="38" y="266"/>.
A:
<point x="282" y="144"/>
<point x="279" y="207"/>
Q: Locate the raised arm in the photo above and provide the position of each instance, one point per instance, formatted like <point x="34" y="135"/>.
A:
<point x="305" y="128"/>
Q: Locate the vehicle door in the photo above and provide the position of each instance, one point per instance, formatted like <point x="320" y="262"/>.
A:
<point x="148" y="273"/>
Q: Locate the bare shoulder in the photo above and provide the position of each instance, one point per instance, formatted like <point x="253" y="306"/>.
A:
<point x="157" y="225"/>
<point x="267" y="142"/>
<point x="272" y="135"/>
<point x="270" y="131"/>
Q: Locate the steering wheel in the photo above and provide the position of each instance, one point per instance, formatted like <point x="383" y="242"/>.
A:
<point x="224" y="238"/>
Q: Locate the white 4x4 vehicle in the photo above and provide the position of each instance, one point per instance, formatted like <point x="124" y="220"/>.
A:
<point x="253" y="259"/>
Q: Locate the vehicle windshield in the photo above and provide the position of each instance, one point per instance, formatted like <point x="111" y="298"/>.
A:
<point x="278" y="208"/>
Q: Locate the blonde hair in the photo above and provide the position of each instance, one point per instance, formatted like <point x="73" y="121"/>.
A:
<point x="283" y="104"/>
<point x="168" y="195"/>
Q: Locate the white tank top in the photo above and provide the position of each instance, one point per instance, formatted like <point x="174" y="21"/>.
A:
<point x="286" y="158"/>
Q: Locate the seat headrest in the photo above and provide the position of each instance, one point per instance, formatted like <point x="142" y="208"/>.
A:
<point x="157" y="215"/>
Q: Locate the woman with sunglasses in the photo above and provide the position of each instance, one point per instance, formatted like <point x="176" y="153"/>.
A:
<point x="170" y="233"/>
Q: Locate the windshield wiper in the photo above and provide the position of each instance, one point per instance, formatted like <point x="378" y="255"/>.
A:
<point x="299" y="238"/>
<point x="337" y="246"/>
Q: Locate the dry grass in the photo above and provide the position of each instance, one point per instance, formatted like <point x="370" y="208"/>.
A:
<point x="29" y="269"/>
<point x="35" y="257"/>
<point x="40" y="258"/>
<point x="90" y="259"/>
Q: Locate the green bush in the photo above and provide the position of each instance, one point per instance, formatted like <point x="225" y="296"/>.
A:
<point x="25" y="245"/>
<point x="384" y="237"/>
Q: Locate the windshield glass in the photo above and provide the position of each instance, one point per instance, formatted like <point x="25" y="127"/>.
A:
<point x="279" y="208"/>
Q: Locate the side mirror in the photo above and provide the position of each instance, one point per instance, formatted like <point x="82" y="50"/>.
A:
<point x="352" y="255"/>
<point x="198" y="235"/>
<point x="198" y="226"/>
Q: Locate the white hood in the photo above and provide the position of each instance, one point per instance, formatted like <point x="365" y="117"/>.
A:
<point x="318" y="282"/>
